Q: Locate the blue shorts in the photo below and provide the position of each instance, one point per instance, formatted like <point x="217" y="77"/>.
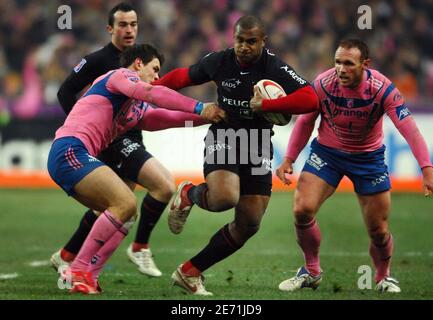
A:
<point x="69" y="162"/>
<point x="367" y="170"/>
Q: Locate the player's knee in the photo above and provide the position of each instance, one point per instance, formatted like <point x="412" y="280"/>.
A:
<point x="251" y="230"/>
<point x="222" y="201"/>
<point x="379" y="235"/>
<point x="127" y="208"/>
<point x="165" y="190"/>
<point x="244" y="232"/>
<point x="304" y="213"/>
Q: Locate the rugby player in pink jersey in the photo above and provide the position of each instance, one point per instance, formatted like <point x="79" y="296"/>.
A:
<point x="126" y="155"/>
<point x="353" y="100"/>
<point x="116" y="102"/>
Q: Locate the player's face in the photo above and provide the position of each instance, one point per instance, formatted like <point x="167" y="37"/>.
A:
<point x="349" y="66"/>
<point x="150" y="72"/>
<point x="249" y="44"/>
<point x="124" y="29"/>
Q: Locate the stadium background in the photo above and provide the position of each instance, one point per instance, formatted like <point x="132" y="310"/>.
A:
<point x="35" y="57"/>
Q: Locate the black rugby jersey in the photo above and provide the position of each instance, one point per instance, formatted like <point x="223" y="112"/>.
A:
<point x="85" y="72"/>
<point x="235" y="83"/>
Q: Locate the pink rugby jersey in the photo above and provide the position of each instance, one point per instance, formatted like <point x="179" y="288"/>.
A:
<point x="118" y="101"/>
<point x="352" y="118"/>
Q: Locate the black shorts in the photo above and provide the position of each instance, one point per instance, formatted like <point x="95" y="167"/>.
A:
<point x="125" y="156"/>
<point x="247" y="154"/>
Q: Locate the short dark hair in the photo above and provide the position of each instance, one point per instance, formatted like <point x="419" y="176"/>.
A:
<point x="145" y="52"/>
<point x="124" y="7"/>
<point x="355" y="43"/>
<point x="249" y="22"/>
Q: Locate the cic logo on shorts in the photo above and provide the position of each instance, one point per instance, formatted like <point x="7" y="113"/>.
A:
<point x="316" y="162"/>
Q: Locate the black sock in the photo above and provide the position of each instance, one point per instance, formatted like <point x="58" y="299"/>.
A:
<point x="77" y="240"/>
<point x="220" y="246"/>
<point x="151" y="211"/>
<point x="197" y="194"/>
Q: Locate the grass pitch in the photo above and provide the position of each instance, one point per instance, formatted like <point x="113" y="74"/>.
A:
<point x="35" y="223"/>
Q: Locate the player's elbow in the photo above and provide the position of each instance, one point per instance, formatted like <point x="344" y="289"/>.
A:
<point x="66" y="98"/>
<point x="61" y="93"/>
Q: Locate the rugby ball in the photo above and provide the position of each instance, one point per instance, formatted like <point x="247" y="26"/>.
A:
<point x="272" y="90"/>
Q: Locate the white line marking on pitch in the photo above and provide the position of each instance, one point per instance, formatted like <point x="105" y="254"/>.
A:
<point x="270" y="252"/>
<point x="7" y="276"/>
<point x="39" y="263"/>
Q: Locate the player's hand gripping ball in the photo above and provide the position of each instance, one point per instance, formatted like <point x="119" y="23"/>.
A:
<point x="272" y="90"/>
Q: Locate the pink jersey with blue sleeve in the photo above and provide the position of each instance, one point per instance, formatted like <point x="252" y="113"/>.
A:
<point x="352" y="118"/>
<point x="116" y="102"/>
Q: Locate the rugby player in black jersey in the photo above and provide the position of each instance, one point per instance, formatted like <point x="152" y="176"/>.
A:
<point x="238" y="152"/>
<point x="126" y="155"/>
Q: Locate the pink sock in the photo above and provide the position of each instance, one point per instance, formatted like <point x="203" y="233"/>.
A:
<point x="103" y="229"/>
<point x="106" y="251"/>
<point x="308" y="236"/>
<point x="382" y="258"/>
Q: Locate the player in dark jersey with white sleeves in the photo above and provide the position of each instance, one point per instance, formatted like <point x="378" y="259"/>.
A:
<point x="126" y="155"/>
<point x="236" y="175"/>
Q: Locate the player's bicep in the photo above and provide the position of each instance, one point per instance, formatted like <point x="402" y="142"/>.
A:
<point x="396" y="108"/>
<point x="82" y="75"/>
<point x="71" y="89"/>
<point x="125" y="82"/>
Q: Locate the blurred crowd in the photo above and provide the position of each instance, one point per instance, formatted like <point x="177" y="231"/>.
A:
<point x="36" y="56"/>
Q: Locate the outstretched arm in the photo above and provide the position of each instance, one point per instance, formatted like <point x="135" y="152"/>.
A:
<point x="303" y="100"/>
<point x="126" y="82"/>
<point x="159" y="119"/>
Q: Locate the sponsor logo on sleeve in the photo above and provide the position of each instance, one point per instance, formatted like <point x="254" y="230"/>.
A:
<point x="293" y="74"/>
<point x="402" y="112"/>
<point x="78" y="67"/>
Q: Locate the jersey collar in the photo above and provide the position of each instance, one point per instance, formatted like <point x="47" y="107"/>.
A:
<point x="113" y="48"/>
